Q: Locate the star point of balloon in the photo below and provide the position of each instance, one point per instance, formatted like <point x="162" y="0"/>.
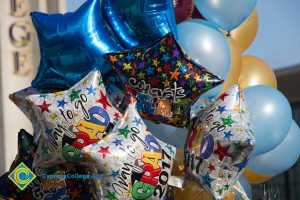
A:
<point x="219" y="143"/>
<point x="168" y="80"/>
<point x="72" y="119"/>
<point x="134" y="163"/>
<point x="71" y="45"/>
<point x="138" y="23"/>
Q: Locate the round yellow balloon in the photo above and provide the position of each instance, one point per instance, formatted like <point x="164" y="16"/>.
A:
<point x="256" y="72"/>
<point x="256" y="178"/>
<point x="235" y="66"/>
<point x="246" y="32"/>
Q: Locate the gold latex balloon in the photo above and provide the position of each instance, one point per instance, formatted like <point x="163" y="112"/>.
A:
<point x="178" y="166"/>
<point x="256" y="178"/>
<point x="191" y="191"/>
<point x="235" y="65"/>
<point x="256" y="72"/>
<point x="246" y="32"/>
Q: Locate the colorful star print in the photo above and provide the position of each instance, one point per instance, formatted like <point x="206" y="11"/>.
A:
<point x="226" y="134"/>
<point x="44" y="107"/>
<point x="72" y="119"/>
<point x="132" y="163"/>
<point x="161" y="75"/>
<point x="104" y="151"/>
<point x="124" y="131"/>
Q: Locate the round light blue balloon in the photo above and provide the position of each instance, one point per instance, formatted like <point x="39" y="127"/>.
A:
<point x="280" y="159"/>
<point x="226" y="14"/>
<point x="207" y="46"/>
<point x="271" y="117"/>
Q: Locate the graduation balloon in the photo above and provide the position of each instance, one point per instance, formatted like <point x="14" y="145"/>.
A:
<point x="42" y="188"/>
<point x="138" y="23"/>
<point x="135" y="164"/>
<point x="219" y="143"/>
<point x="72" y="119"/>
<point x="19" y="99"/>
<point x="167" y="80"/>
<point x="71" y="45"/>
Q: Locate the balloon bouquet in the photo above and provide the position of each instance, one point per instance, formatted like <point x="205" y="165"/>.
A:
<point x="119" y="83"/>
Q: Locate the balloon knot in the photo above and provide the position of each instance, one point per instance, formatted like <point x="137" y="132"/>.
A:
<point x="228" y="34"/>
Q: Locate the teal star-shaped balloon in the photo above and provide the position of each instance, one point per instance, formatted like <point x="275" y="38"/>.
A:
<point x="207" y="180"/>
<point x="227" y="121"/>
<point x="71" y="45"/>
<point x="124" y="131"/>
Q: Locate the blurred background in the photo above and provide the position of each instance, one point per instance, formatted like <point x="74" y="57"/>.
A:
<point x="277" y="42"/>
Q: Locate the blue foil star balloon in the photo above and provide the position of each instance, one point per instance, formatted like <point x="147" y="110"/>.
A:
<point x="71" y="45"/>
<point x="138" y="23"/>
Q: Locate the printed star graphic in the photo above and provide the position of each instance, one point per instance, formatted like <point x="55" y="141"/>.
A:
<point x="115" y="173"/>
<point x="103" y="100"/>
<point x="174" y="75"/>
<point x="91" y="90"/>
<point x="74" y="95"/>
<point x="220" y="191"/>
<point x="223" y="96"/>
<point x="117" y="142"/>
<point x="228" y="135"/>
<point x="127" y="67"/>
<point x="44" y="107"/>
<point x="113" y="59"/>
<point x="238" y="146"/>
<point x="227" y="121"/>
<point x="104" y="151"/>
<point x="221" y="151"/>
<point x="207" y="180"/>
<point x="226" y="187"/>
<point x="61" y="103"/>
<point x="111" y="195"/>
<point x="221" y="109"/>
<point x="124" y="131"/>
<point x="170" y="148"/>
<point x="211" y="168"/>
<point x="137" y="121"/>
<point x="117" y="115"/>
<point x="242" y="165"/>
<point x="154" y="82"/>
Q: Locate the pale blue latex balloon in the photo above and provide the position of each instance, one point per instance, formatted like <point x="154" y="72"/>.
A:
<point x="246" y="186"/>
<point x="168" y="134"/>
<point x="271" y="117"/>
<point x="138" y="23"/>
<point x="226" y="14"/>
<point x="207" y="46"/>
<point x="280" y="159"/>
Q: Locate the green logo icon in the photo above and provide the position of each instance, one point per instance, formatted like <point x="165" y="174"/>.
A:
<point x="22" y="176"/>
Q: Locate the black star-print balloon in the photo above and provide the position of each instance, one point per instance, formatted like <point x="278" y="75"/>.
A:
<point x="167" y="80"/>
